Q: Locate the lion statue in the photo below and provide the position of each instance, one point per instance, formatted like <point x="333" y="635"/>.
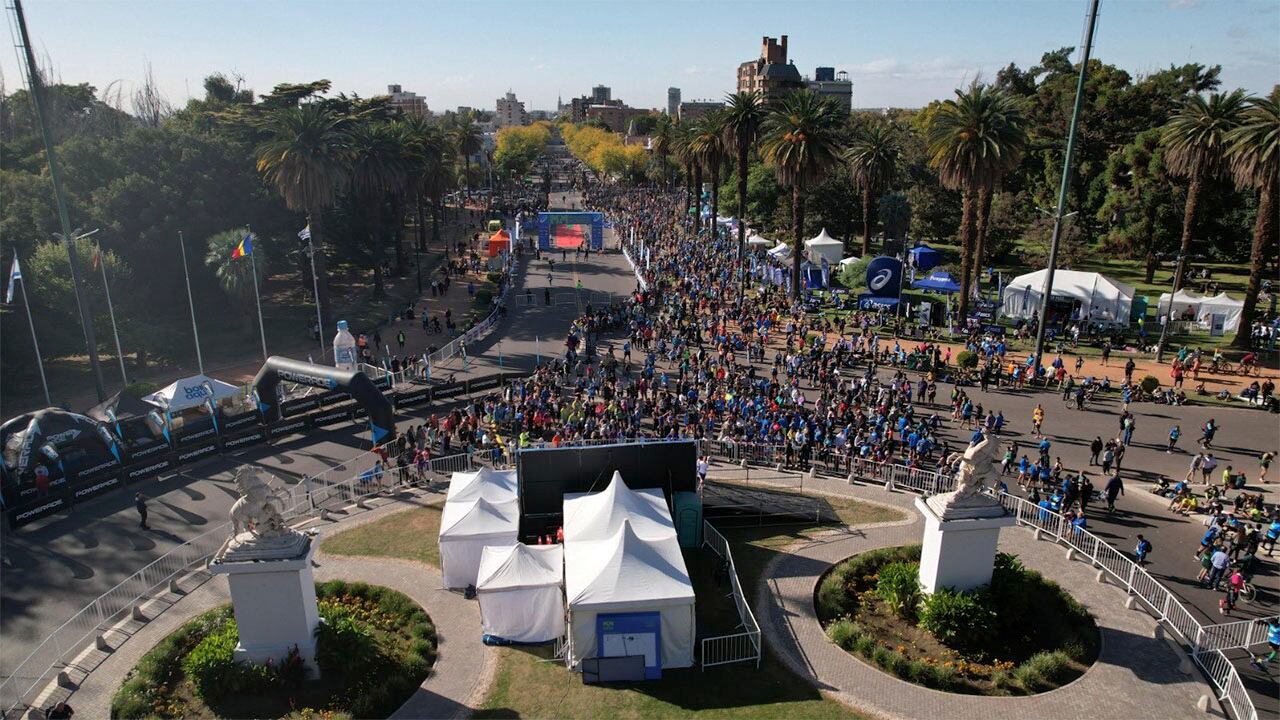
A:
<point x="259" y="508"/>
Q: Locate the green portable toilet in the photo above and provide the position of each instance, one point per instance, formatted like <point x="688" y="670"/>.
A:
<point x="688" y="518"/>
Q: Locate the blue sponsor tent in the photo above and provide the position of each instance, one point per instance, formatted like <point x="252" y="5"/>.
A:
<point x="940" y="281"/>
<point x="925" y="258"/>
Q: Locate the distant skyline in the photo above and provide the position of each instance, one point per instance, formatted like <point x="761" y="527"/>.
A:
<point x="898" y="54"/>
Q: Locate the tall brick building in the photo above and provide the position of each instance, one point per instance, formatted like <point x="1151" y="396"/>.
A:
<point x="770" y="74"/>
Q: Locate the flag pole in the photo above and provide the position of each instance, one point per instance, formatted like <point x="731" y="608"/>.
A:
<point x="253" y="260"/>
<point x="315" y="285"/>
<point x="34" y="343"/>
<point x="191" y="302"/>
<point x="102" y="265"/>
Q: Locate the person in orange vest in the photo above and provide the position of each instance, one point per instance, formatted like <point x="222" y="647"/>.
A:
<point x="560" y="534"/>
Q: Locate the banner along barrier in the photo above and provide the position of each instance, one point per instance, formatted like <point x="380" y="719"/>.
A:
<point x="192" y="453"/>
<point x="331" y="416"/>
<point x="234" y="443"/>
<point x="233" y="423"/>
<point x="138" y="454"/>
<point x="197" y="437"/>
<point x="148" y="468"/>
<point x="289" y="408"/>
<point x="42" y="507"/>
<point x="84" y="490"/>
<point x="287" y="427"/>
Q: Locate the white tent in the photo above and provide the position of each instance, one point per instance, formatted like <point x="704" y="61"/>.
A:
<point x="519" y="589"/>
<point x="637" y="586"/>
<point x="757" y="240"/>
<point x="823" y="246"/>
<point x="1221" y="304"/>
<point x="848" y="261"/>
<point x="493" y="485"/>
<point x="191" y="392"/>
<point x="1100" y="298"/>
<point x="1182" y="301"/>
<point x="597" y="516"/>
<point x="781" y="251"/>
<point x="466" y="528"/>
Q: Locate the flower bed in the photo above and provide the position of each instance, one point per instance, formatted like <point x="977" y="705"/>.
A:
<point x="1020" y="635"/>
<point x="374" y="649"/>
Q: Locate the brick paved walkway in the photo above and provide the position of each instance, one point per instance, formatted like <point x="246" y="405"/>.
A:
<point x="458" y="681"/>
<point x="1137" y="675"/>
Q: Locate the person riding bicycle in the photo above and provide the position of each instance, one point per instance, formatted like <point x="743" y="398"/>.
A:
<point x="1247" y="362"/>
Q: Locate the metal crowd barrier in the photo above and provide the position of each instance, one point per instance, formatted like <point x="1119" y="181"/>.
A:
<point x="737" y="647"/>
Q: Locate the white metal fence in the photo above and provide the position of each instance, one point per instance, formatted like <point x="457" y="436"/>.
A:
<point x="741" y="646"/>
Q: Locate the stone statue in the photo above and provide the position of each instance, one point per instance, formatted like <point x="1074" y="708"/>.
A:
<point x="258" y="509"/>
<point x="968" y="499"/>
<point x="258" y="530"/>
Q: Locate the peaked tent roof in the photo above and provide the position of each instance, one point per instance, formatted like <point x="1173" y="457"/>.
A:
<point x="627" y="570"/>
<point x="595" y="516"/>
<point x="1070" y="282"/>
<point x="124" y="407"/>
<point x="520" y="566"/>
<point x="479" y="518"/>
<point x="925" y="257"/>
<point x="822" y="239"/>
<point x="758" y="239"/>
<point x="190" y="392"/>
<point x="492" y="485"/>
<point x="940" y="281"/>
<point x="502" y="234"/>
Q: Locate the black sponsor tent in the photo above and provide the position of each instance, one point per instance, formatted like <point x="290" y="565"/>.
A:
<point x="131" y="419"/>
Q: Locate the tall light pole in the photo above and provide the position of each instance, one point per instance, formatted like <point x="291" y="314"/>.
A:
<point x="106" y="288"/>
<point x="77" y="282"/>
<point x="1164" y="316"/>
<point x="1065" y="185"/>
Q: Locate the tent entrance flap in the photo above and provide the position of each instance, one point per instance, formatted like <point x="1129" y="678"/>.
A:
<point x="631" y="635"/>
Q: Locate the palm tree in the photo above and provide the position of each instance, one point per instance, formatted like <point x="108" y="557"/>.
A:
<point x="417" y="131"/>
<point x="971" y="141"/>
<point x="305" y="156"/>
<point x="707" y="143"/>
<point x="895" y="214"/>
<point x="663" y="142"/>
<point x="1254" y="154"/>
<point x="438" y="178"/>
<point x="802" y="142"/>
<point x="873" y="161"/>
<point x="1195" y="142"/>
<point x="236" y="276"/>
<point x="378" y="174"/>
<point x="468" y="139"/>
<point x="744" y="112"/>
<point x="684" y="151"/>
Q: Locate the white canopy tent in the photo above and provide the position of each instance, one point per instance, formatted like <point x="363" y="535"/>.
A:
<point x="824" y="247"/>
<point x="496" y="486"/>
<point x="191" y="392"/>
<point x="757" y="240"/>
<point x="1221" y="304"/>
<point x="597" y="516"/>
<point x="1100" y="298"/>
<point x="626" y="578"/>
<point x="519" y="589"/>
<point x="466" y="529"/>
<point x="781" y="251"/>
<point x="1182" y="301"/>
<point x="848" y="261"/>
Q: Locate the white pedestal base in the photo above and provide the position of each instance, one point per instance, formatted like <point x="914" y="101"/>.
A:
<point x="958" y="554"/>
<point x="275" y="607"/>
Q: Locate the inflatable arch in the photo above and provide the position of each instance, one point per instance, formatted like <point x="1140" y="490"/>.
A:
<point x="356" y="384"/>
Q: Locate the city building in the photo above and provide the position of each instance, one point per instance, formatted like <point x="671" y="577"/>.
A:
<point x="601" y="95"/>
<point x="510" y="112"/>
<point x="770" y="74"/>
<point x="407" y="102"/>
<point x="616" y="116"/>
<point x="694" y="109"/>
<point x="826" y="81"/>
<point x="673" y="101"/>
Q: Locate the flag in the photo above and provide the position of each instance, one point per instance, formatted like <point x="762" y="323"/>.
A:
<point x="305" y="233"/>
<point x="15" y="277"/>
<point x="244" y="248"/>
<point x="97" y="256"/>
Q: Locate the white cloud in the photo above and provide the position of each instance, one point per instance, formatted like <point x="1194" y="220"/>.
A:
<point x="1183" y="4"/>
<point x="935" y="69"/>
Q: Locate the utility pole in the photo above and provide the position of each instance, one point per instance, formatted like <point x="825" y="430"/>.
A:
<point x="37" y="100"/>
<point x="1065" y="186"/>
<point x="1165" y="320"/>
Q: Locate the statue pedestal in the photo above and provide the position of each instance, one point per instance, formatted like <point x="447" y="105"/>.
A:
<point x="273" y="593"/>
<point x="959" y="553"/>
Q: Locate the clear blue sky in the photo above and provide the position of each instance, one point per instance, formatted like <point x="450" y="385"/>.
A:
<point x="901" y="54"/>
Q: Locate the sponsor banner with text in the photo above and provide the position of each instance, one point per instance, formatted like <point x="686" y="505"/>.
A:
<point x="412" y="397"/>
<point x="137" y="454"/>
<point x="244" y="440"/>
<point x="84" y="490"/>
<point x="192" y="453"/>
<point x="41" y="507"/>
<point x="198" y="437"/>
<point x="288" y="427"/>
<point x="239" y="422"/>
<point x="148" y="468"/>
<point x="331" y="416"/>
<point x="485" y="383"/>
<point x="448" y="390"/>
<point x="289" y="408"/>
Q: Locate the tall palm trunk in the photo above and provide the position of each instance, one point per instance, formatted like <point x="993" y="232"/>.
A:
<point x="715" y="198"/>
<point x="797" y="235"/>
<point x="1264" y="236"/>
<point x="466" y="178"/>
<point x="866" y="220"/>
<point x="422" y="228"/>
<point x="968" y="223"/>
<point x="1152" y="262"/>
<point x="980" y="237"/>
<point x="697" y="198"/>
<point x="397" y="237"/>
<point x="1189" y="221"/>
<point x="438" y="210"/>
<point x="742" y="212"/>
<point x="320" y="262"/>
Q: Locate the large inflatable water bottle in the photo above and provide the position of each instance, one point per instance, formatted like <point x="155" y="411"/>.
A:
<point x="344" y="348"/>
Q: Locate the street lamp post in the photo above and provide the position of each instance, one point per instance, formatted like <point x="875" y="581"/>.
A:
<point x="106" y="288"/>
<point x="1164" y="316"/>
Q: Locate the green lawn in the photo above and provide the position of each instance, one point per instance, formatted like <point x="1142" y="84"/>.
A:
<point x="409" y="535"/>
